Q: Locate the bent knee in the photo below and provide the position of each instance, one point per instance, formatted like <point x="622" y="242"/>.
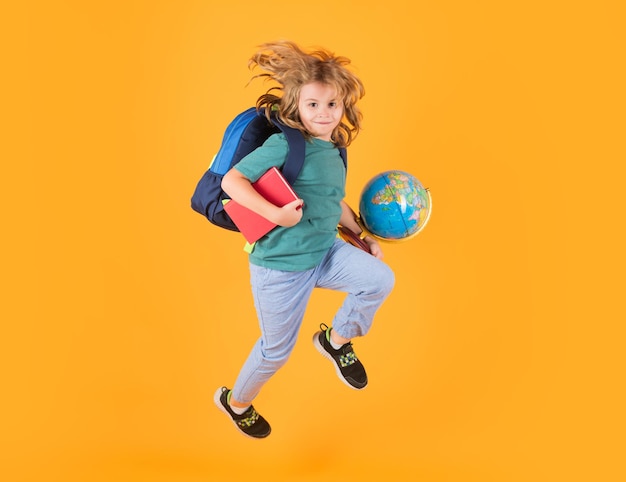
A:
<point x="385" y="280"/>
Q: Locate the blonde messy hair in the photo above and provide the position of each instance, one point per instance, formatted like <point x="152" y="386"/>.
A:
<point x="291" y="67"/>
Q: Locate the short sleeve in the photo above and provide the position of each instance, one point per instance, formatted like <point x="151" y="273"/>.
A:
<point x="272" y="153"/>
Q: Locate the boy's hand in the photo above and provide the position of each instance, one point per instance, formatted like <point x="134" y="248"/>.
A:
<point x="375" y="248"/>
<point x="290" y="214"/>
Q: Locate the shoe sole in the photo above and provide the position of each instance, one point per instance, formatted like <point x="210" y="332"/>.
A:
<point x="217" y="398"/>
<point x="328" y="356"/>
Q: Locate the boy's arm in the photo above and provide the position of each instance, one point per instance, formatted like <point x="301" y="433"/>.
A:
<point x="240" y="189"/>
<point x="348" y="220"/>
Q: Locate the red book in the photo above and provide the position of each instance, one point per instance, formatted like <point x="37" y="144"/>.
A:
<point x="273" y="187"/>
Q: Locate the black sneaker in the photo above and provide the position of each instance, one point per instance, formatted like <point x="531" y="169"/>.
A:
<point x="348" y="367"/>
<point x="250" y="423"/>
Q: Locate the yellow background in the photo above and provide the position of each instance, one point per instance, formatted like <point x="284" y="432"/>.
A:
<point x="499" y="356"/>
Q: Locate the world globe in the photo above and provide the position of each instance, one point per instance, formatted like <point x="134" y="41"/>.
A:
<point x="394" y="206"/>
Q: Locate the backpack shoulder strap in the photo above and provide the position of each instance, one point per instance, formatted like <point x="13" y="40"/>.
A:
<point x="343" y="152"/>
<point x="295" y="156"/>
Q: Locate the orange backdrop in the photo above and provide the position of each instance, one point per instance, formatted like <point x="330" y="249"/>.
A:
<point x="497" y="358"/>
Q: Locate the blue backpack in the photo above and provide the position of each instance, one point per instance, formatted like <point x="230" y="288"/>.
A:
<point x="244" y="134"/>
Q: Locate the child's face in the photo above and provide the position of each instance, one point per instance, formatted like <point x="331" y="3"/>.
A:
<point x="320" y="110"/>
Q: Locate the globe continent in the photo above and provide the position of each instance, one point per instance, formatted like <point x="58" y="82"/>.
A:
<point x="394" y="205"/>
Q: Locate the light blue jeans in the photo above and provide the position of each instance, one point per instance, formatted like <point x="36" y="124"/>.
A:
<point x="281" y="297"/>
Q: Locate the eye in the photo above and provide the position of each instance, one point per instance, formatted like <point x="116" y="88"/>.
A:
<point x="332" y="104"/>
<point x="313" y="104"/>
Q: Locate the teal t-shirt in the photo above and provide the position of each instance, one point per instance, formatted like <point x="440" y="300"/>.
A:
<point x="321" y="184"/>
